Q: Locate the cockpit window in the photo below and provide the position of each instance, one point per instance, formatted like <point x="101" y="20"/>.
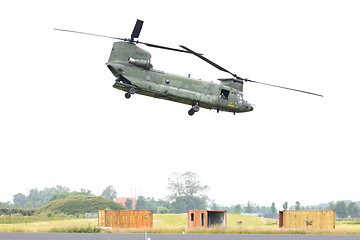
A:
<point x="240" y="98"/>
<point x="224" y="94"/>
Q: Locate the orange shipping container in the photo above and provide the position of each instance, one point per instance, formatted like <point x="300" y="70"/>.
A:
<point x="206" y="218"/>
<point x="125" y="219"/>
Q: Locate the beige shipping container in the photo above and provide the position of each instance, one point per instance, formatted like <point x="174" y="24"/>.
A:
<point x="314" y="219"/>
<point x="125" y="219"/>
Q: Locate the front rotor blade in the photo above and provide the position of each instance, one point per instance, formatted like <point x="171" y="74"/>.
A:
<point x="207" y="60"/>
<point x="91" y="34"/>
<point x="243" y="79"/>
<point x="272" y="85"/>
<point x="137" y="29"/>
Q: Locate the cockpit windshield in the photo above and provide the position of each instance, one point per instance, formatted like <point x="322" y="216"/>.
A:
<point x="240" y="98"/>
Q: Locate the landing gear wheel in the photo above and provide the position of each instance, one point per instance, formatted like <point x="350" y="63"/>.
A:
<point x="127" y="95"/>
<point x="193" y="109"/>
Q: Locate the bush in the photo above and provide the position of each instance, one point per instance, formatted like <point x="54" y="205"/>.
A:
<point x="76" y="229"/>
<point x="20" y="211"/>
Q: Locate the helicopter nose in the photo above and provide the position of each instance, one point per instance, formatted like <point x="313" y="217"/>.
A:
<point x="248" y="107"/>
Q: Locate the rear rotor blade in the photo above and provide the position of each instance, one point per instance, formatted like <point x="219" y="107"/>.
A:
<point x="137" y="29"/>
<point x="124" y="39"/>
<point x="272" y="85"/>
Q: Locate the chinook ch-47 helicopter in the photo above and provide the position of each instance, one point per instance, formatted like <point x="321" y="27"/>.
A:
<point x="134" y="73"/>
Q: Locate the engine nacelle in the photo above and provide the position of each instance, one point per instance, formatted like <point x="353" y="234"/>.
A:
<point x="140" y="63"/>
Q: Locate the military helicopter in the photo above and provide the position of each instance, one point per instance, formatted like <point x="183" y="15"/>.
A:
<point x="131" y="65"/>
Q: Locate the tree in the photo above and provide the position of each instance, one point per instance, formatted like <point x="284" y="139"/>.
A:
<point x="353" y="210"/>
<point x="38" y="198"/>
<point x="186" y="184"/>
<point x="59" y="193"/>
<point x="179" y="205"/>
<point x="187" y="192"/>
<point x="331" y="205"/>
<point x="264" y="211"/>
<point x="297" y="205"/>
<point x="19" y="200"/>
<point x="237" y="209"/>
<point x="128" y="203"/>
<point x="285" y="206"/>
<point x="4" y="205"/>
<point x="85" y="192"/>
<point x="184" y="203"/>
<point x="341" y="209"/>
<point x="62" y="189"/>
<point x="249" y="208"/>
<point x="143" y="203"/>
<point x="34" y="199"/>
<point x="140" y="203"/>
<point x="273" y="208"/>
<point x="109" y="193"/>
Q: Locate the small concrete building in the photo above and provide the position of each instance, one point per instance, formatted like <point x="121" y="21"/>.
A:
<point x="206" y="218"/>
<point x="314" y="219"/>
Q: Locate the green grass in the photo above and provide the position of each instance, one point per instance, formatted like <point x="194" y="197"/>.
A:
<point x="46" y="226"/>
<point x="347" y="226"/>
<point x="170" y="220"/>
<point x="251" y="222"/>
<point x="24" y="219"/>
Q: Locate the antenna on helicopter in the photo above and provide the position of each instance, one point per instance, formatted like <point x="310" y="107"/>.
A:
<point x="237" y="78"/>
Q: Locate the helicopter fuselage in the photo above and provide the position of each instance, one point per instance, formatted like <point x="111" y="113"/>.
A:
<point x="134" y="73"/>
<point x="131" y="66"/>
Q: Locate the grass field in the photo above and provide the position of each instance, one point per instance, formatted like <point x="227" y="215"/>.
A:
<point x="47" y="226"/>
<point x="176" y="223"/>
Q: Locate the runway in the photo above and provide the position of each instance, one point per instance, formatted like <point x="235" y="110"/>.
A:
<point x="136" y="236"/>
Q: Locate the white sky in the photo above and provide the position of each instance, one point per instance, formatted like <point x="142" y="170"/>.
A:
<point x="62" y="123"/>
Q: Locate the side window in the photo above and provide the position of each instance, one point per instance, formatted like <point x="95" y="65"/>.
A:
<point x="192" y="217"/>
<point x="224" y="94"/>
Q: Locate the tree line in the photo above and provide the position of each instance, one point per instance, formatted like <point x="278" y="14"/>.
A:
<point x="187" y="193"/>
<point x="37" y="198"/>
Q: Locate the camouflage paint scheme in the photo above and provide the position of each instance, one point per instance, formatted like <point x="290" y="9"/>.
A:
<point x="131" y="66"/>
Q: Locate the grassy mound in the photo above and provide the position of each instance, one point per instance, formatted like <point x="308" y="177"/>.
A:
<point x="75" y="205"/>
